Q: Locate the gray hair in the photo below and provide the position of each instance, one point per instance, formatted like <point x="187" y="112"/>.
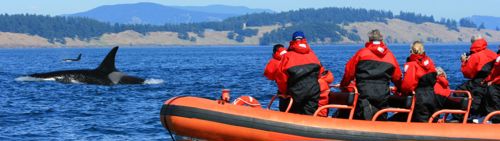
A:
<point x="375" y="35"/>
<point x="440" y="71"/>
<point x="475" y="37"/>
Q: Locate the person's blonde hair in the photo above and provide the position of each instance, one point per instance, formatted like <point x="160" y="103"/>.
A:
<point x="416" y="50"/>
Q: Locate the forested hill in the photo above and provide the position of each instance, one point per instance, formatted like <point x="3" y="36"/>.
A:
<point x="323" y="25"/>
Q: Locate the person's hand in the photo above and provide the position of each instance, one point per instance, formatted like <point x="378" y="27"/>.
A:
<point x="464" y="57"/>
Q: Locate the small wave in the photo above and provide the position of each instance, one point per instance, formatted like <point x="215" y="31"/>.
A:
<point x="29" y="78"/>
<point x="153" y="81"/>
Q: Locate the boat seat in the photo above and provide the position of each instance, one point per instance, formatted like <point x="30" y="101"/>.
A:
<point x="400" y="101"/>
<point x="456" y="105"/>
<point x="399" y="104"/>
<point x="341" y="100"/>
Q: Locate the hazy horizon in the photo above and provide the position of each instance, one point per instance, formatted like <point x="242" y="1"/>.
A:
<point x="454" y="9"/>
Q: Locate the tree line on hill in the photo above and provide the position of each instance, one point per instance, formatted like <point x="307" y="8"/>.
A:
<point x="321" y="25"/>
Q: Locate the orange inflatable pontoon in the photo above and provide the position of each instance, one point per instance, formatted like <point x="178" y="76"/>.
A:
<point x="200" y="118"/>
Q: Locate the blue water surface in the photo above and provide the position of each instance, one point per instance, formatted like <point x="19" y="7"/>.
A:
<point x="47" y="110"/>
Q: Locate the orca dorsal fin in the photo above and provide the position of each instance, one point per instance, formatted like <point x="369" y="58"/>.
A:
<point x="108" y="64"/>
<point x="79" y="57"/>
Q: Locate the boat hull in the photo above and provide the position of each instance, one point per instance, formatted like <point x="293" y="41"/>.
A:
<point x="207" y="119"/>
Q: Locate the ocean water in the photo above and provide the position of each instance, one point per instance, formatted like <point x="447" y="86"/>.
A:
<point x="47" y="110"/>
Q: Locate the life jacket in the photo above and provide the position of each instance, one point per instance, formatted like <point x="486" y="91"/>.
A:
<point x="442" y="86"/>
<point x="494" y="77"/>
<point x="273" y="64"/>
<point x="299" y="72"/>
<point x="419" y="72"/>
<point x="374" y="62"/>
<point x="480" y="61"/>
<point x="298" y="61"/>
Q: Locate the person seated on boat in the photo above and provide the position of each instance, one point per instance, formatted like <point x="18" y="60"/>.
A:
<point x="476" y="67"/>
<point x="298" y="75"/>
<point x="442" y="88"/>
<point x="420" y="76"/>
<point x="372" y="67"/>
<point x="270" y="71"/>
<point x="492" y="97"/>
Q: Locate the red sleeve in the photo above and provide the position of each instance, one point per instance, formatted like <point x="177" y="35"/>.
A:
<point x="410" y="79"/>
<point x="396" y="76"/>
<point x="469" y="67"/>
<point x="271" y="69"/>
<point x="282" y="75"/>
<point x="443" y="81"/>
<point x="350" y="71"/>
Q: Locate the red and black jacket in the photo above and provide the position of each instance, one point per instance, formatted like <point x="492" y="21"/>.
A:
<point x="494" y="77"/>
<point x="274" y="62"/>
<point x="374" y="62"/>
<point x="420" y="71"/>
<point x="480" y="62"/>
<point x="299" y="71"/>
<point x="442" y="86"/>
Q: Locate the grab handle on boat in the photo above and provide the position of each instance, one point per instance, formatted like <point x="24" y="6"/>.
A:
<point x="453" y="111"/>
<point x="278" y="95"/>
<point x="490" y="115"/>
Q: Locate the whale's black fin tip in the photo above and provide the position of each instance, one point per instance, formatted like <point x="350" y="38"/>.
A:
<point x="108" y="64"/>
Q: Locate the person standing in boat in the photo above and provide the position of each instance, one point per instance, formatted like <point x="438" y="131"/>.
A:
<point x="420" y="77"/>
<point x="270" y="72"/>
<point x="372" y="67"/>
<point x="492" y="97"/>
<point x="476" y="67"/>
<point x="298" y="76"/>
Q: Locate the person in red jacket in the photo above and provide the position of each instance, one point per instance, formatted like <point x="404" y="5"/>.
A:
<point x="442" y="88"/>
<point x="492" y="97"/>
<point x="420" y="77"/>
<point x="298" y="75"/>
<point x="271" y="69"/>
<point x="372" y="67"/>
<point x="273" y="64"/>
<point x="477" y="67"/>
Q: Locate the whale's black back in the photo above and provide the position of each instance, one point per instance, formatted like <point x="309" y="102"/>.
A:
<point x="99" y="76"/>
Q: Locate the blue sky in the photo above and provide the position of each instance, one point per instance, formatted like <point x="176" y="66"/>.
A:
<point x="439" y="8"/>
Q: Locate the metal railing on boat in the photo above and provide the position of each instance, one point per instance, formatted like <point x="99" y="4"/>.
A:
<point x="455" y="111"/>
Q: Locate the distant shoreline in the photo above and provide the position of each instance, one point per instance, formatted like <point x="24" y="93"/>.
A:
<point x="491" y="44"/>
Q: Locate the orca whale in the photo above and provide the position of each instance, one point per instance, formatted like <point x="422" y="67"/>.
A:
<point x="105" y="74"/>
<point x="74" y="60"/>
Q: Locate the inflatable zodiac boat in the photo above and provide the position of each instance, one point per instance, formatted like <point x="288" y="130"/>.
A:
<point x="198" y="118"/>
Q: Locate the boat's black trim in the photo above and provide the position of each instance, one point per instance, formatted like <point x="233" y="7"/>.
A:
<point x="287" y="128"/>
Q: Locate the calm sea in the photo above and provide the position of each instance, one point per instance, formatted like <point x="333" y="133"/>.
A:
<point x="46" y="110"/>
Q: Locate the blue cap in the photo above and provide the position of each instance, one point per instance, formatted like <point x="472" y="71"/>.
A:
<point x="298" y="35"/>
